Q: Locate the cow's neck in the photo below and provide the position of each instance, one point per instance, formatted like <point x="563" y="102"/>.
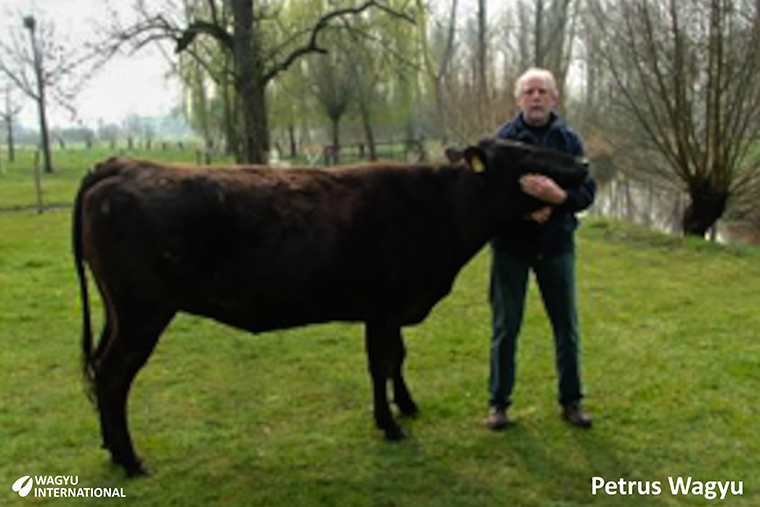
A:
<point x="484" y="209"/>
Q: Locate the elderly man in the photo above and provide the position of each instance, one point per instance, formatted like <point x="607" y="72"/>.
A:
<point x="544" y="243"/>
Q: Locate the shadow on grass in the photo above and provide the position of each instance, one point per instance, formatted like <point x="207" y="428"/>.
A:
<point x="559" y="462"/>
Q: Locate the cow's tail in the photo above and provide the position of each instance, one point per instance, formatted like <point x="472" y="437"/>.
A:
<point x="88" y="369"/>
<point x="101" y="171"/>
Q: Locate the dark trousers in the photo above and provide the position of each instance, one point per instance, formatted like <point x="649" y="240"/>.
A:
<point x="508" y="288"/>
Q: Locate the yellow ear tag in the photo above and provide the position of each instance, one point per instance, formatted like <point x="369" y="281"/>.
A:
<point x="477" y="165"/>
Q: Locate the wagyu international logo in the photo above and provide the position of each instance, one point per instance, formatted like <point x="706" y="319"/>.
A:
<point x="23" y="486"/>
<point x="61" y="486"/>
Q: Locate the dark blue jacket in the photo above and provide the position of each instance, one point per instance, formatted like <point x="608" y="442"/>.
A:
<point x="525" y="238"/>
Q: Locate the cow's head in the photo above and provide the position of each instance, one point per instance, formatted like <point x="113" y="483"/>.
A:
<point x="502" y="162"/>
<point x="496" y="156"/>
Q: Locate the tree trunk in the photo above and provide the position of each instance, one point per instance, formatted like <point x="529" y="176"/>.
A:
<point x="539" y="55"/>
<point x="47" y="162"/>
<point x="201" y="102"/>
<point x="482" y="66"/>
<point x="40" y="99"/>
<point x="335" y="148"/>
<point x="249" y="84"/>
<point x="369" y="135"/>
<point x="292" y="140"/>
<point x="8" y="117"/>
<point x="11" y="141"/>
<point x="230" y="120"/>
<point x="706" y="207"/>
<point x="259" y="122"/>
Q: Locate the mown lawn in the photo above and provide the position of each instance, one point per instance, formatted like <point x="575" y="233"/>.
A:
<point x="671" y="362"/>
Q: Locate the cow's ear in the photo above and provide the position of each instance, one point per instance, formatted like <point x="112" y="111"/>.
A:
<point x="475" y="158"/>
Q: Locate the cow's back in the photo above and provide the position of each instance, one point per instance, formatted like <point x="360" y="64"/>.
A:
<point x="261" y="248"/>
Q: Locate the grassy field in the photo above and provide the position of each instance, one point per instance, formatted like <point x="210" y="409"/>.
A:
<point x="671" y="363"/>
<point x="17" y="184"/>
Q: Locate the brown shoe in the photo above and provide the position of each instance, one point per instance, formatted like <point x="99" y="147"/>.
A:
<point x="576" y="416"/>
<point x="498" y="419"/>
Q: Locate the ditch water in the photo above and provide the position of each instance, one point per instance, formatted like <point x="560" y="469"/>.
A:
<point x="661" y="208"/>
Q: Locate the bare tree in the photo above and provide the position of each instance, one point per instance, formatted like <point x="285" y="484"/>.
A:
<point x="25" y="66"/>
<point x="466" y="86"/>
<point x="683" y="73"/>
<point x="437" y="55"/>
<point x="333" y="87"/>
<point x="109" y="133"/>
<point x="132" y="127"/>
<point x="546" y="35"/>
<point x="8" y="115"/>
<point x="595" y="78"/>
<point x="481" y="69"/>
<point x="46" y="67"/>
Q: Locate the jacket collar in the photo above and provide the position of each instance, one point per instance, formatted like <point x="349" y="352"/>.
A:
<point x="525" y="133"/>
<point x="554" y="121"/>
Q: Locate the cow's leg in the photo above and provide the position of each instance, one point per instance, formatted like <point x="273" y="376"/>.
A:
<point x="105" y="337"/>
<point x="380" y="340"/>
<point x="134" y="335"/>
<point x="401" y="395"/>
<point x="104" y="427"/>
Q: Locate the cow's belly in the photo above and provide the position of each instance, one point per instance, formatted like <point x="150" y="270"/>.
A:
<point x="257" y="316"/>
<point x="292" y="302"/>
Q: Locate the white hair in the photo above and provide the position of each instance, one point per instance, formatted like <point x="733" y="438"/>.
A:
<point x="534" y="72"/>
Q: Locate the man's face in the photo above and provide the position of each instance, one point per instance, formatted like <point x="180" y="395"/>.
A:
<point x="536" y="101"/>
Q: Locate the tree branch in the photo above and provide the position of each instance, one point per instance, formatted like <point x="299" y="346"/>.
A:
<point x="312" y="45"/>
<point x="196" y="28"/>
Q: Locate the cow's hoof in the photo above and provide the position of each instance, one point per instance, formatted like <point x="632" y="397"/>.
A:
<point x="137" y="470"/>
<point x="133" y="468"/>
<point x="396" y="434"/>
<point x="408" y="408"/>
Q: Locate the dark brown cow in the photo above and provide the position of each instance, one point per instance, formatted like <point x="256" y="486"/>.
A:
<point x="263" y="249"/>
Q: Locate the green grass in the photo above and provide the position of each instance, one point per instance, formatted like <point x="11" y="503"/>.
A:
<point x="671" y="364"/>
<point x="17" y="184"/>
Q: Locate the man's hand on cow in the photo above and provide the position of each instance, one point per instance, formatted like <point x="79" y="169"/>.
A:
<point x="541" y="215"/>
<point x="542" y="188"/>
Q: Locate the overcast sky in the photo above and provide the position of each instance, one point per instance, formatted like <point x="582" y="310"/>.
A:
<point x="136" y="84"/>
<point x="133" y="85"/>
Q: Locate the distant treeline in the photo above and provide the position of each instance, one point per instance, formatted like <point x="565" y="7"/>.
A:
<point x="133" y="129"/>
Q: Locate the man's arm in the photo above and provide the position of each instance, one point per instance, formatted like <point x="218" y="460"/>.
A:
<point x="568" y="200"/>
<point x="543" y="188"/>
<point x="579" y="198"/>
